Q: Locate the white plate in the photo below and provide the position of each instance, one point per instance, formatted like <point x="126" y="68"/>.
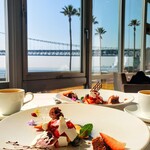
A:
<point x="104" y="93"/>
<point x="116" y="123"/>
<point x="135" y="110"/>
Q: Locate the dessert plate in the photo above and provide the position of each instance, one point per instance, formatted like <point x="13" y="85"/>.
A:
<point x="118" y="124"/>
<point x="135" y="110"/>
<point x="124" y="98"/>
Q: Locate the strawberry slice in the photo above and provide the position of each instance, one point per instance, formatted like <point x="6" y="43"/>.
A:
<point x="34" y="114"/>
<point x="56" y="133"/>
<point x="70" y="124"/>
<point x="89" y="101"/>
<point x="113" y="143"/>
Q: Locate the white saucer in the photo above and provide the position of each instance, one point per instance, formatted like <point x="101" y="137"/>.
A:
<point x="135" y="110"/>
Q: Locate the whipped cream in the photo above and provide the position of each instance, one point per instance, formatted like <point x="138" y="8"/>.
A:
<point x="42" y="140"/>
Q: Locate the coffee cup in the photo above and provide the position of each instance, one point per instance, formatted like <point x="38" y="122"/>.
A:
<point x="144" y="102"/>
<point x="12" y="99"/>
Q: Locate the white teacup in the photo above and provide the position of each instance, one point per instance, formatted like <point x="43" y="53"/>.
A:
<point x="144" y="102"/>
<point x="11" y="100"/>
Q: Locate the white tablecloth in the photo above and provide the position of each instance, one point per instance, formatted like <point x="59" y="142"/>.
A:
<point x="44" y="99"/>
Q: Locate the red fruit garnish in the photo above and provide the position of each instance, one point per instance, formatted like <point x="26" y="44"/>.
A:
<point x="70" y="124"/>
<point x="56" y="133"/>
<point x="56" y="144"/>
<point x="34" y="114"/>
<point x="113" y="143"/>
<point x="51" y="126"/>
<point x="90" y="97"/>
<point x="90" y="101"/>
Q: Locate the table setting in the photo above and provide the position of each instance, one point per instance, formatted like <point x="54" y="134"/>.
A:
<point x="122" y="121"/>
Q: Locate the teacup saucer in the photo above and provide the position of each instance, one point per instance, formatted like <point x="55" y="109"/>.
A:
<point x="135" y="110"/>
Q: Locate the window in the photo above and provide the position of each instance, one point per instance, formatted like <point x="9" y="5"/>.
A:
<point x="3" y="70"/>
<point x="54" y="36"/>
<point x="54" y="52"/>
<point x="133" y="23"/>
<point x="105" y="36"/>
<point x="147" y="66"/>
<point x="46" y="52"/>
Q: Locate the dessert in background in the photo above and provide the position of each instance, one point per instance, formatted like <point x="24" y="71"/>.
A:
<point x="73" y="96"/>
<point x="93" y="97"/>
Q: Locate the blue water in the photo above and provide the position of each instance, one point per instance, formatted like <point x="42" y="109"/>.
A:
<point x="2" y="73"/>
<point x="95" y="70"/>
<point x="61" y="63"/>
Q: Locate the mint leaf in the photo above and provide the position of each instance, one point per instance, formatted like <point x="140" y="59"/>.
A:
<point x="82" y="97"/>
<point x="86" y="130"/>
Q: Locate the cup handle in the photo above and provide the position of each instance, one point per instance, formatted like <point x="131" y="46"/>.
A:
<point x="32" y="96"/>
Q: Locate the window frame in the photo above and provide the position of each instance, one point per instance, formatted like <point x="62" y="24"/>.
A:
<point x="17" y="54"/>
<point x="16" y="32"/>
<point x="5" y="84"/>
<point x="145" y="25"/>
<point x="53" y="80"/>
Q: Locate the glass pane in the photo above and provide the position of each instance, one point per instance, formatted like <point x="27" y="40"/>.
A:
<point x="105" y="36"/>
<point x="147" y="69"/>
<point x="54" y="35"/>
<point x="2" y="43"/>
<point x="148" y="12"/>
<point x="133" y="19"/>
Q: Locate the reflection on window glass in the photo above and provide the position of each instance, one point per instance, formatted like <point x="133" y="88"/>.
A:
<point x="147" y="67"/>
<point x="2" y="43"/>
<point x="133" y="19"/>
<point x="148" y="12"/>
<point x="53" y="35"/>
<point x="105" y="36"/>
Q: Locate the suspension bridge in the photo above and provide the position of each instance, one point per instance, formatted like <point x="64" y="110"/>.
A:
<point x="39" y="47"/>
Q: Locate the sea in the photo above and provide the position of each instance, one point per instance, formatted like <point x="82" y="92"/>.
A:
<point x="61" y="63"/>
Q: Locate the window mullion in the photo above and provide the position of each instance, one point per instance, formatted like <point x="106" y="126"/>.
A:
<point x="87" y="12"/>
<point x="14" y="43"/>
<point x="121" y="35"/>
<point x="143" y="42"/>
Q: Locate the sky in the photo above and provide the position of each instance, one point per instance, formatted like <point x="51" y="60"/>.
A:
<point x="45" y="22"/>
<point x="107" y="15"/>
<point x="50" y="24"/>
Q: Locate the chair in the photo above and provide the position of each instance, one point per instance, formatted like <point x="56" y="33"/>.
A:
<point x="121" y="84"/>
